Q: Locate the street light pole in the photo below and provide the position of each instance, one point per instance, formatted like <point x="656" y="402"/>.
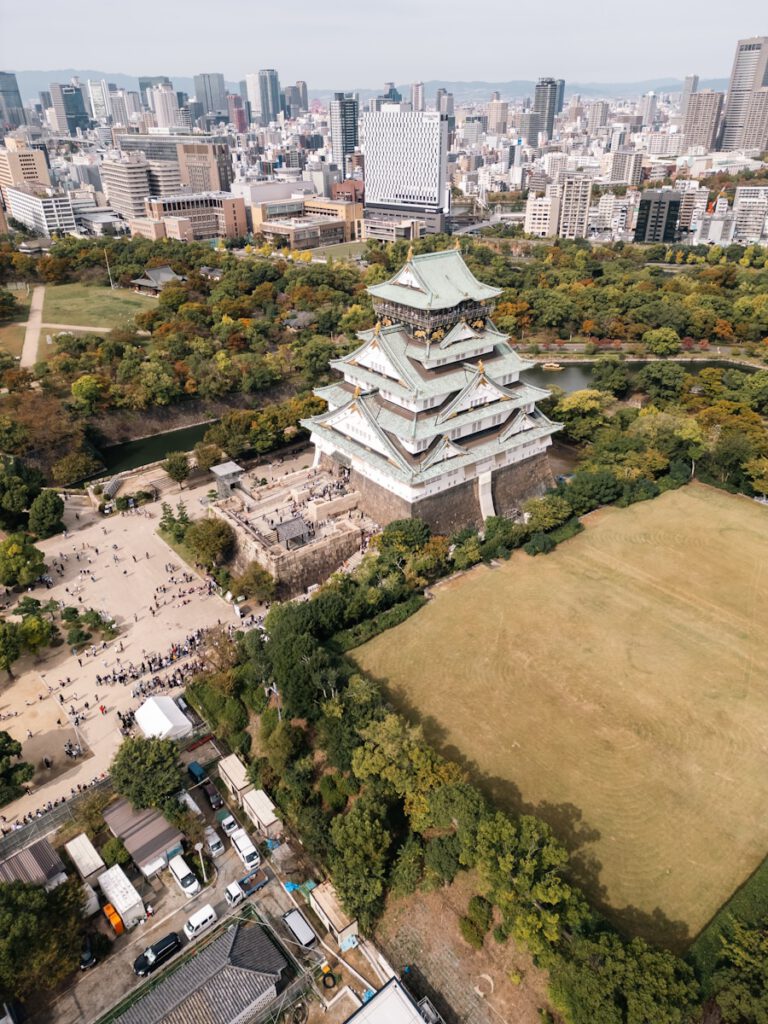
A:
<point x="199" y="848"/>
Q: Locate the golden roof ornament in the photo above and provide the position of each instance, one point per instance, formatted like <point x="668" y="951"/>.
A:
<point x="410" y="253"/>
<point x="358" y="392"/>
<point x="377" y="327"/>
<point x="458" y="244"/>
<point x="480" y="366"/>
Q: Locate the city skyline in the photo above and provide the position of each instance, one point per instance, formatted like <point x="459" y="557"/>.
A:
<point x="572" y="45"/>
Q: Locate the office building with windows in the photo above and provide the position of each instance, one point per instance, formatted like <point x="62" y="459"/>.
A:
<point x="701" y="123"/>
<point x="417" y="96"/>
<point x="749" y="73"/>
<point x="690" y="86"/>
<point x="406" y="173"/>
<point x="211" y="91"/>
<point x="43" y="211"/>
<point x="344" y="134"/>
<point x="69" y="108"/>
<point x="205" y="166"/>
<point x="755" y="134"/>
<point x="545" y="104"/>
<point x="575" y="197"/>
<point x="269" y="95"/>
<point x="22" y="165"/>
<point x="11" y="108"/>
<point x="658" y="215"/>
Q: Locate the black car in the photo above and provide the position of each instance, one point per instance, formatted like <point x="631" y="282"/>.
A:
<point x="88" y="956"/>
<point x="214" y="796"/>
<point x="155" y="956"/>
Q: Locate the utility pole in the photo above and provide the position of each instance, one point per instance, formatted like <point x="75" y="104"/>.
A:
<point x="111" y="282"/>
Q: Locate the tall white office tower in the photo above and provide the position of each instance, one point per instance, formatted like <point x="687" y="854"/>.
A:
<point x="750" y="73"/>
<point x="417" y="96"/>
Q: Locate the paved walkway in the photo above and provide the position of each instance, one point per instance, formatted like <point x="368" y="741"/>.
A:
<point x="32" y="333"/>
<point x="77" y="327"/>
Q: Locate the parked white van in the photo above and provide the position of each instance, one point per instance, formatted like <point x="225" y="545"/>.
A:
<point x="184" y="878"/>
<point x="213" y="843"/>
<point x="199" y="921"/>
<point x="299" y="927"/>
<point x="245" y="849"/>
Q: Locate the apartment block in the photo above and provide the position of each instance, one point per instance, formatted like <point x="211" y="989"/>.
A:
<point x="20" y="165"/>
<point x="205" y="166"/>
<point x="42" y="210"/>
<point x="702" y="119"/>
<point x="542" y="215"/>
<point x="575" y="197"/>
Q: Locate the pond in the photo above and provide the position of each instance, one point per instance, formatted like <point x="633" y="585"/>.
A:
<point x="575" y="376"/>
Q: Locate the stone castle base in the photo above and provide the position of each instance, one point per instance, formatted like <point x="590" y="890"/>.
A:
<point x="451" y="510"/>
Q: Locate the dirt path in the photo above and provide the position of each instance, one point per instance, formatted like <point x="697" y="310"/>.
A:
<point x="32" y="333"/>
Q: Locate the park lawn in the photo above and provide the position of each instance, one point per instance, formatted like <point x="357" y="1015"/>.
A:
<point x="12" y="331"/>
<point x="93" y="305"/>
<point x="616" y="688"/>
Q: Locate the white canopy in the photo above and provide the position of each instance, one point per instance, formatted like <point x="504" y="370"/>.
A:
<point x="163" y="718"/>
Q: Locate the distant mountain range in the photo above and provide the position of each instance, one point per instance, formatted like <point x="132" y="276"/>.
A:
<point x="33" y="82"/>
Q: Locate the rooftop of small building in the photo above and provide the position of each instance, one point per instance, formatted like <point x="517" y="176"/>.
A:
<point x="434" y="281"/>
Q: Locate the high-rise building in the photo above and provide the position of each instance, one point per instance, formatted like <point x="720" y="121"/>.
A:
<point x="344" y="136"/>
<point x="575" y="197"/>
<point x="304" y="94"/>
<point x="148" y="82"/>
<point x="165" y="104"/>
<point x="45" y="99"/>
<point x="99" y="98"/>
<point x="657" y="215"/>
<point x="625" y="167"/>
<point x="749" y="73"/>
<point x="417" y="96"/>
<point x="690" y="87"/>
<point x="498" y="115"/>
<point x="406" y="165"/>
<point x="22" y="165"/>
<point x="269" y="95"/>
<point x="69" y="108"/>
<point x="560" y="95"/>
<point x="11" y="107"/>
<point x="545" y="104"/>
<point x="126" y="184"/>
<point x="648" y="109"/>
<point x="702" y="119"/>
<point x="236" y="110"/>
<point x="755" y="135"/>
<point x="597" y="115"/>
<point x="211" y="91"/>
<point x="205" y="166"/>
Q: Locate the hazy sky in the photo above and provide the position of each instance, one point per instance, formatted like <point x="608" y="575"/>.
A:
<point x="361" y="43"/>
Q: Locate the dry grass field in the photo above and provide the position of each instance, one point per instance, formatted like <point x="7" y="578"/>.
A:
<point x="617" y="687"/>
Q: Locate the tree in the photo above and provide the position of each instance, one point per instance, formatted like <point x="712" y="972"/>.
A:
<point x="45" y="514"/>
<point x="255" y="582"/>
<point x="740" y="982"/>
<point x="757" y="471"/>
<point x="41" y="936"/>
<point x="604" y="979"/>
<point x="86" y="391"/>
<point x="13" y="773"/>
<point x="177" y="467"/>
<point x="147" y="771"/>
<point x="585" y="490"/>
<point x="663" y="382"/>
<point x="10" y="645"/>
<point x="358" y="862"/>
<point x="547" y="512"/>
<point x="582" y="413"/>
<point x="36" y="632"/>
<point x="610" y="374"/>
<point x="211" y="541"/>
<point x="114" y="852"/>
<point x="20" y="561"/>
<point x="662" y="341"/>
<point x="206" y="455"/>
<point x="75" y="467"/>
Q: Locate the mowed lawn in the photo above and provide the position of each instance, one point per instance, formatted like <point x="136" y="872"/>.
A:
<point x="92" y="305"/>
<point x="618" y="687"/>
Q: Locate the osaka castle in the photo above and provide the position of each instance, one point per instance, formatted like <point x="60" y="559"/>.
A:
<point x="430" y="415"/>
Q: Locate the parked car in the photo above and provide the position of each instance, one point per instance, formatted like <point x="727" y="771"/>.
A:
<point x="213" y="843"/>
<point x="88" y="956"/>
<point x="228" y="822"/>
<point x="196" y="771"/>
<point x="245" y="849"/>
<point x="244" y="887"/>
<point x="155" y="956"/>
<point x="213" y="795"/>
<point x="203" y="918"/>
<point x="183" y="876"/>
